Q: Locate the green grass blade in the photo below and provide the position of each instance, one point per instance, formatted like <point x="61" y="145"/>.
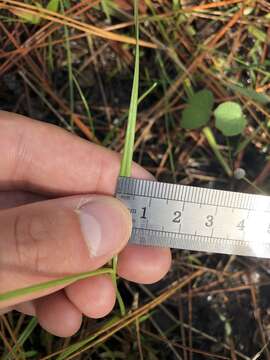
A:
<point x="71" y="349"/>
<point x="114" y="280"/>
<point x="69" y="63"/>
<point x="111" y="134"/>
<point x="107" y="9"/>
<point x="75" y="347"/>
<point x="31" y="354"/>
<point x="85" y="104"/>
<point x="252" y="94"/>
<point x="53" y="5"/>
<point x="52" y="283"/>
<point x="148" y="91"/>
<point x="126" y="162"/>
<point x="214" y="146"/>
<point x="22" y="338"/>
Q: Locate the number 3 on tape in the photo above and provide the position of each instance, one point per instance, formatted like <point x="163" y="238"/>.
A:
<point x="193" y="218"/>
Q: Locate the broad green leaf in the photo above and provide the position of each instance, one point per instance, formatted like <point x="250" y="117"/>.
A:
<point x="250" y="93"/>
<point x="53" y="5"/>
<point x="198" y="110"/>
<point x="230" y="119"/>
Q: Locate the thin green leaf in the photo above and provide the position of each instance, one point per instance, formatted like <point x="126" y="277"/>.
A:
<point x="250" y="93"/>
<point x="52" y="283"/>
<point x="241" y="146"/>
<point x="22" y="338"/>
<point x="31" y="354"/>
<point x="126" y="162"/>
<point x="114" y="279"/>
<point x="257" y="33"/>
<point x="198" y="111"/>
<point x="28" y="18"/>
<point x="53" y="5"/>
<point x="75" y="347"/>
<point x="107" y="8"/>
<point x="230" y="119"/>
<point x="147" y="92"/>
<point x="188" y="88"/>
<point x="85" y="103"/>
<point x="214" y="146"/>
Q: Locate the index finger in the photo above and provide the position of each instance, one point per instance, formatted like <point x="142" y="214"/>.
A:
<point x="44" y="158"/>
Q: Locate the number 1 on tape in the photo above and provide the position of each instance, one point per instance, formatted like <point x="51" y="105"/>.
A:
<point x="193" y="218"/>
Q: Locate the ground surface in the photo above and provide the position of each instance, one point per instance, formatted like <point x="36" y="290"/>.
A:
<point x="50" y="72"/>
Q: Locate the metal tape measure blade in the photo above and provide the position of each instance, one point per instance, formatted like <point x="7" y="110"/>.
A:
<point x="194" y="218"/>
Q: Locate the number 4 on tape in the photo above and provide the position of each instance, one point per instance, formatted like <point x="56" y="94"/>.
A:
<point x="193" y="218"/>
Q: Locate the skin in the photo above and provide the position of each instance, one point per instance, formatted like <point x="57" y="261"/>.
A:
<point x="46" y="172"/>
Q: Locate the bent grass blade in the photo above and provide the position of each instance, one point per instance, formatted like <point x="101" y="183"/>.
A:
<point x="125" y="171"/>
<point x="52" y="283"/>
<point x="132" y="116"/>
<point x="126" y="162"/>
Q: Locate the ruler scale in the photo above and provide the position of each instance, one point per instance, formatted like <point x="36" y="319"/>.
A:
<point x="195" y="218"/>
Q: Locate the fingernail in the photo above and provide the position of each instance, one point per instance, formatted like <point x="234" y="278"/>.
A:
<point x="105" y="225"/>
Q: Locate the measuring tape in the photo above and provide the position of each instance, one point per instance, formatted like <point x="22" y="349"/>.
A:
<point x="194" y="218"/>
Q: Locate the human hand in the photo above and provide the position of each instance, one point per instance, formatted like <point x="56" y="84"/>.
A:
<point x="58" y="217"/>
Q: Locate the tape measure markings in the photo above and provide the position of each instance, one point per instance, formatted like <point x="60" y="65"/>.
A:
<point x="200" y="243"/>
<point x="186" y="235"/>
<point x="193" y="218"/>
<point x="220" y="198"/>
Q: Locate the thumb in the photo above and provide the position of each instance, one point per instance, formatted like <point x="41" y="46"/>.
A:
<point x="54" y="238"/>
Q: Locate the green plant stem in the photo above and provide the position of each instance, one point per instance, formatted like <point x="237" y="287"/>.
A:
<point x="125" y="171"/>
<point x="214" y="146"/>
<point x="114" y="131"/>
<point x="254" y="186"/>
<point x="126" y="162"/>
<point x="114" y="279"/>
<point x="147" y="92"/>
<point x="88" y="112"/>
<point x="22" y="338"/>
<point x="52" y="283"/>
<point x="188" y="88"/>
